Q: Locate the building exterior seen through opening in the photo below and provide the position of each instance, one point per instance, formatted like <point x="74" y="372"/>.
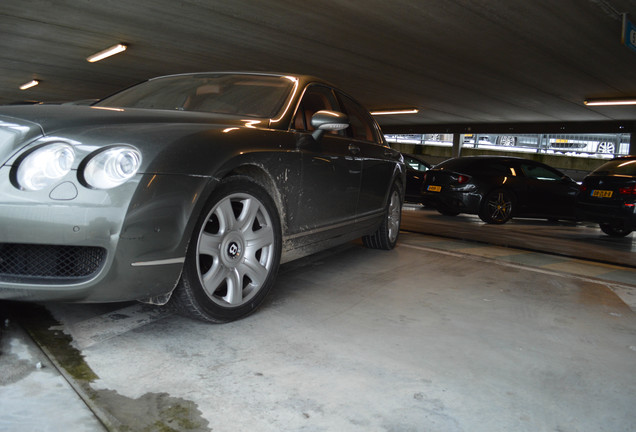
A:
<point x="599" y="145"/>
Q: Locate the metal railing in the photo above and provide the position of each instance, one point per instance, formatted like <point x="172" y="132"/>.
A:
<point x="601" y="145"/>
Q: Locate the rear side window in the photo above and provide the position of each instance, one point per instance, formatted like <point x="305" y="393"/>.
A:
<point x="415" y="164"/>
<point x="497" y="169"/>
<point x="477" y="166"/>
<point x="623" y="167"/>
<point x="540" y="172"/>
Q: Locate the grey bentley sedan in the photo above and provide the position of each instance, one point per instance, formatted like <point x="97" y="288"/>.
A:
<point x="189" y="189"/>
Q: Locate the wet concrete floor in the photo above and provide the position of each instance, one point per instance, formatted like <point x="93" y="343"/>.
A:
<point x="428" y="337"/>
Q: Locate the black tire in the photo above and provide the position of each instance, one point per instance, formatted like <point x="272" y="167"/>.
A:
<point x="447" y="212"/>
<point x="614" y="230"/>
<point x="497" y="207"/>
<point x="234" y="254"/>
<point x="388" y="232"/>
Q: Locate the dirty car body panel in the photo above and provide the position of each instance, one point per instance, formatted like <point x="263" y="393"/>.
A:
<point x="72" y="238"/>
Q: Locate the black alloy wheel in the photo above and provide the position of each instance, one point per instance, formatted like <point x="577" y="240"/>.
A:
<point x="497" y="207"/>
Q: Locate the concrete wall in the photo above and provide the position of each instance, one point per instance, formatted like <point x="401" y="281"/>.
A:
<point x="575" y="167"/>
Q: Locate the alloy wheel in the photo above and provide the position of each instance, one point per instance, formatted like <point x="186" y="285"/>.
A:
<point x="497" y="208"/>
<point x="394" y="216"/>
<point x="235" y="250"/>
<point x="605" y="148"/>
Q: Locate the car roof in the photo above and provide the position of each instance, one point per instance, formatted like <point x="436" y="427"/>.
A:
<point x="470" y="160"/>
<point x="496" y="157"/>
<point x="470" y="163"/>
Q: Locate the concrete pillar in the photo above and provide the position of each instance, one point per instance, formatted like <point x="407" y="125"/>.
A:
<point x="458" y="140"/>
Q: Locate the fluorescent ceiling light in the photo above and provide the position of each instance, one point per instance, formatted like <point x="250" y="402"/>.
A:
<point x="115" y="49"/>
<point x="610" y="101"/>
<point x="395" y="111"/>
<point x="30" y="84"/>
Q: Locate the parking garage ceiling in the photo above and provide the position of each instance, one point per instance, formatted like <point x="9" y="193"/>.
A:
<point x="458" y="62"/>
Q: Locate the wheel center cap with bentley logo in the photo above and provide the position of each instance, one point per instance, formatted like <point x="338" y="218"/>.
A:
<point x="234" y="250"/>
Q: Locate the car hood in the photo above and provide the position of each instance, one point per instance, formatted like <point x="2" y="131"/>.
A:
<point x="21" y="124"/>
<point x="55" y="117"/>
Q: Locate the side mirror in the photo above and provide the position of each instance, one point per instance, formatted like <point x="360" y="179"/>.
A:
<point x="328" y="121"/>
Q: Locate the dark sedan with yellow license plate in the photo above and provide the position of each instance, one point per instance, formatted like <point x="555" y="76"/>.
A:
<point x="189" y="188"/>
<point x="608" y="196"/>
<point x="498" y="188"/>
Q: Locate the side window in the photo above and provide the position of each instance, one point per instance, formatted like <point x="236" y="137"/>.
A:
<point x="415" y="164"/>
<point x="539" y="172"/>
<point x="362" y="124"/>
<point x="496" y="168"/>
<point x="316" y="98"/>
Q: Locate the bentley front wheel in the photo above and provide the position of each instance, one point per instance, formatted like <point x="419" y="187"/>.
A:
<point x="233" y="255"/>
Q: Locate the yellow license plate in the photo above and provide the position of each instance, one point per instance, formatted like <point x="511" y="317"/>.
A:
<point x="433" y="188"/>
<point x="601" y="193"/>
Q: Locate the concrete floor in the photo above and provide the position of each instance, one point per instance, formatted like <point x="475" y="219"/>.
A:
<point x="34" y="396"/>
<point x="415" y="339"/>
<point x="579" y="240"/>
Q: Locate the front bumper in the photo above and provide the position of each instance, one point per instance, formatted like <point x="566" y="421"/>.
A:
<point x="71" y="243"/>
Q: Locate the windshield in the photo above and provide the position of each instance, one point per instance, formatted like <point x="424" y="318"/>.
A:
<point x="625" y="167"/>
<point x="238" y="94"/>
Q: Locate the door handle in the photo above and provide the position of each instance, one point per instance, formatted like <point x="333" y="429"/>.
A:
<point x="354" y="149"/>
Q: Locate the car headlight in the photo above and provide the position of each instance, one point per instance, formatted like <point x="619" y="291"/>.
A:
<point x="111" y="167"/>
<point x="44" y="166"/>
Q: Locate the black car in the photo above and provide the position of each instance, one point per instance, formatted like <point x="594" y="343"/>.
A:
<point x="498" y="188"/>
<point x="415" y="169"/>
<point x="608" y="196"/>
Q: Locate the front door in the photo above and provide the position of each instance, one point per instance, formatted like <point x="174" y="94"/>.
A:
<point x="550" y="193"/>
<point x="331" y="172"/>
